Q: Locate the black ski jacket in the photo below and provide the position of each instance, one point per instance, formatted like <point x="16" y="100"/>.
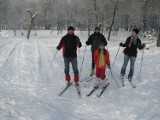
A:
<point x="132" y="51"/>
<point x="69" y="43"/>
<point x="94" y="41"/>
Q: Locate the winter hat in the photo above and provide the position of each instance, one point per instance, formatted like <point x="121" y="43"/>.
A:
<point x="97" y="28"/>
<point x="135" y="30"/>
<point x="71" y="28"/>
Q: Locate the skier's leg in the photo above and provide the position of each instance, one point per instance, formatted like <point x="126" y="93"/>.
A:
<point x="132" y="63"/>
<point x="123" y="70"/>
<point x="93" y="65"/>
<point x="102" y="74"/>
<point x="66" y="69"/>
<point x="98" y="75"/>
<point x="103" y="77"/>
<point x="75" y="69"/>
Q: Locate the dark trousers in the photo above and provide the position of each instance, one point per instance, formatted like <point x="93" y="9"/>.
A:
<point x="73" y="61"/>
<point x="93" y="63"/>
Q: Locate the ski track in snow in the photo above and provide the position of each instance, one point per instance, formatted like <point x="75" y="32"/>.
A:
<point x="28" y="89"/>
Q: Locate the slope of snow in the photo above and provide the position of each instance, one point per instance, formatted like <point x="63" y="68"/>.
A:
<point x="28" y="90"/>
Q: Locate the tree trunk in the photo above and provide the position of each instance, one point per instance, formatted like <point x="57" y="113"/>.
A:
<point x="126" y="23"/>
<point x="114" y="15"/>
<point x="144" y="16"/>
<point x="89" y="31"/>
<point x="158" y="41"/>
<point x="30" y="28"/>
<point x="145" y="9"/>
<point x="95" y="10"/>
<point x="31" y="22"/>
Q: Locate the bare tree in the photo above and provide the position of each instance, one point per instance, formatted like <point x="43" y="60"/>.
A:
<point x="145" y="8"/>
<point x="32" y="19"/>
<point x="95" y="11"/>
<point x="113" y="20"/>
<point x="158" y="41"/>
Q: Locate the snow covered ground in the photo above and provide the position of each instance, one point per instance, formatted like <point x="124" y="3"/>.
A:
<point x="28" y="91"/>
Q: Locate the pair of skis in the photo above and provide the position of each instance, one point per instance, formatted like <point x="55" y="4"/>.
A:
<point x="67" y="87"/>
<point x="96" y="88"/>
<point x="79" y="93"/>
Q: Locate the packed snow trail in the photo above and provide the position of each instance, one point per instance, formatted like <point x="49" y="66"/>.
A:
<point x="29" y="92"/>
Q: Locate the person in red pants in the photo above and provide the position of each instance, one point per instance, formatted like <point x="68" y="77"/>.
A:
<point x="69" y="43"/>
<point x="102" y="60"/>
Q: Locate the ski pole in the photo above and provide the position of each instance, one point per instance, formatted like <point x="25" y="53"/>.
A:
<point x="111" y="74"/>
<point x="141" y="65"/>
<point x="114" y="77"/>
<point x="52" y="61"/>
<point x="83" y="59"/>
<point x="116" y="56"/>
<point x="79" y="54"/>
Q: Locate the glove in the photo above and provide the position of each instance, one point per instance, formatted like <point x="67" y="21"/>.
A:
<point x="109" y="66"/>
<point x="79" y="44"/>
<point x="58" y="47"/>
<point x="143" y="45"/>
<point x="87" y="43"/>
<point x="121" y="44"/>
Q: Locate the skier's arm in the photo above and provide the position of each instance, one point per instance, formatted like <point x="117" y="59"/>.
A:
<point x="126" y="43"/>
<point x="60" y="44"/>
<point x="89" y="41"/>
<point x="79" y="44"/>
<point x="140" y="45"/>
<point x="104" y="40"/>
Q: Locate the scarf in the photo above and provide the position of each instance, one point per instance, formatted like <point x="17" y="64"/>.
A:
<point x="101" y="61"/>
<point x="133" y="41"/>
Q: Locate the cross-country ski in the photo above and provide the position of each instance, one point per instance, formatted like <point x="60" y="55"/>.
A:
<point x="64" y="90"/>
<point x="103" y="90"/>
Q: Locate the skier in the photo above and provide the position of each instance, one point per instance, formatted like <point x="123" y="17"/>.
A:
<point x="130" y="52"/>
<point x="69" y="43"/>
<point x="94" y="41"/>
<point x="102" y="60"/>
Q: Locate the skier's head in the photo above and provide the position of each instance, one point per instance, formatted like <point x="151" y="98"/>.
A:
<point x="97" y="30"/>
<point x="101" y="45"/>
<point x="71" y="30"/>
<point x="135" y="31"/>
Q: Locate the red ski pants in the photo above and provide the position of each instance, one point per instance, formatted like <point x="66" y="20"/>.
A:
<point x="100" y="73"/>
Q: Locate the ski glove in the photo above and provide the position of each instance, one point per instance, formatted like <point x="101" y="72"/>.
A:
<point x="143" y="45"/>
<point x="121" y="44"/>
<point x="87" y="43"/>
<point x="79" y="44"/>
<point x="109" y="66"/>
<point x="58" y="47"/>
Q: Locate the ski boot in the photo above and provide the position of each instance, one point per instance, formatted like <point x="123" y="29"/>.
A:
<point x="97" y="84"/>
<point x="68" y="83"/>
<point x="130" y="79"/>
<point x="104" y="83"/>
<point x="92" y="73"/>
<point x="76" y="84"/>
<point x="122" y="76"/>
